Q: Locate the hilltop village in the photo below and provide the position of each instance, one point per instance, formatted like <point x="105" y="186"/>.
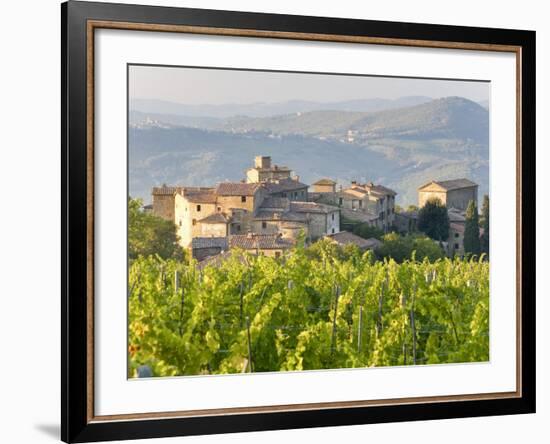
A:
<point x="270" y="208"/>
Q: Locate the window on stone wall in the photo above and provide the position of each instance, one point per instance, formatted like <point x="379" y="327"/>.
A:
<point x="456" y="234"/>
<point x="456" y="247"/>
<point x="180" y="223"/>
<point x="198" y="207"/>
<point x="194" y="221"/>
<point x="340" y="201"/>
<point x="333" y="231"/>
<point x="264" y="225"/>
<point x="243" y="198"/>
<point x="277" y="254"/>
<point x="332" y="216"/>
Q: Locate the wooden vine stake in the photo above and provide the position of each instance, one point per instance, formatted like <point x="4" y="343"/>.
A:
<point x="360" y="329"/>
<point x="333" y="339"/>
<point x="249" y="345"/>
<point x="413" y="325"/>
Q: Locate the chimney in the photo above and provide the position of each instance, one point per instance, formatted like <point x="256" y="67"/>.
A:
<point x="249" y="235"/>
<point x="354" y="182"/>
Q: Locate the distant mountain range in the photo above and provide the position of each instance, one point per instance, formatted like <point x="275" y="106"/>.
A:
<point x="270" y="109"/>
<point x="401" y="147"/>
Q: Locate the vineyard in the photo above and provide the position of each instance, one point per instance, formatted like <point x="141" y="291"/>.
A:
<point x="317" y="308"/>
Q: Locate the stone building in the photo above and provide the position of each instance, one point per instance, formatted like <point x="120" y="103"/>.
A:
<point x="456" y="193"/>
<point x="270" y="203"/>
<point x="291" y="189"/>
<point x="457" y="226"/>
<point x="264" y="171"/>
<point x="324" y="186"/>
<point x="364" y="203"/>
<point x="321" y="218"/>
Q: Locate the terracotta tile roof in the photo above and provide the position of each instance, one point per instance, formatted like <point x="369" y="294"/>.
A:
<point x="359" y="216"/>
<point x="192" y="194"/>
<point x="236" y="189"/>
<point x="165" y="190"/>
<point x="217" y="260"/>
<point x="346" y="238"/>
<point x="456" y="216"/>
<point x="380" y="189"/>
<point x="356" y="192"/>
<point x="215" y="218"/>
<point x="311" y="207"/>
<point x="209" y="242"/>
<point x="259" y="241"/>
<point x="274" y="214"/>
<point x="325" y="182"/>
<point x="448" y="185"/>
<point x="370" y="188"/>
<point x="283" y="185"/>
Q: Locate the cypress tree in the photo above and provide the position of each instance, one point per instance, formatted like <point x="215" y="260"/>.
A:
<point x="433" y="220"/>
<point x="471" y="230"/>
<point x="485" y="225"/>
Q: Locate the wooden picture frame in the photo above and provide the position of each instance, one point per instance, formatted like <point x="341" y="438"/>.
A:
<point x="79" y="22"/>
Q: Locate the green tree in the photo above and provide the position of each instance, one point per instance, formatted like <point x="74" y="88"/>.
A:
<point x="148" y="234"/>
<point x="471" y="230"/>
<point x="433" y="220"/>
<point x="367" y="231"/>
<point x="484" y="222"/>
<point x="401" y="248"/>
<point x="412" y="208"/>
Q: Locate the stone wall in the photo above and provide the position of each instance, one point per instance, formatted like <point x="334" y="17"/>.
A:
<point x="213" y="230"/>
<point x="451" y="199"/>
<point x="324" y="188"/>
<point x="460" y="198"/>
<point x="163" y="206"/>
<point x="455" y="242"/>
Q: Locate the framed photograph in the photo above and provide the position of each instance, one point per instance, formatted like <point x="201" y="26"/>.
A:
<point x="275" y="221"/>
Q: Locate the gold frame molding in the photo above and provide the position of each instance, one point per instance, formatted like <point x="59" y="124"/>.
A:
<point x="92" y="25"/>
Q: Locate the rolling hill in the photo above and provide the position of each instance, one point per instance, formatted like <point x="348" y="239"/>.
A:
<point x="401" y="148"/>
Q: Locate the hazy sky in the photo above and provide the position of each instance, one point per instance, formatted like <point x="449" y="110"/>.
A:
<point x="216" y="86"/>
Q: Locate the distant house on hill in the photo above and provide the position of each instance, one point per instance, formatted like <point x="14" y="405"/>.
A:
<point x="456" y="193"/>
